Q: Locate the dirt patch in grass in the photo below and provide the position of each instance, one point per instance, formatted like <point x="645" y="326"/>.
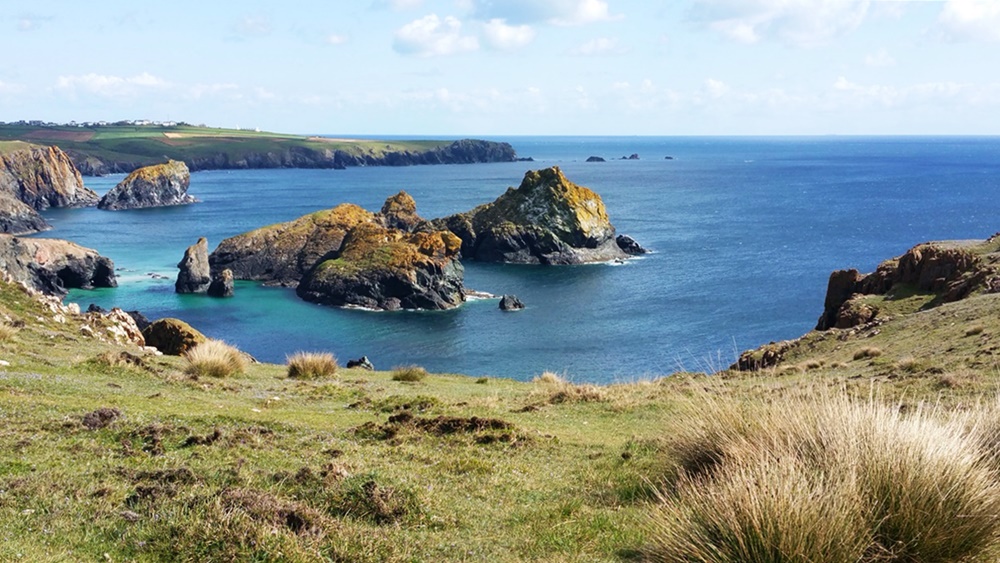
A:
<point x="101" y="418"/>
<point x="206" y="440"/>
<point x="483" y="430"/>
<point x="275" y="511"/>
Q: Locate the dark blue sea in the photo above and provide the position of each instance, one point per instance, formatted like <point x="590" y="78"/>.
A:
<point x="745" y="231"/>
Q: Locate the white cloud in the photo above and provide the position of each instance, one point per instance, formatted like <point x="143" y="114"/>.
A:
<point x="336" y="39"/>
<point x="796" y="22"/>
<point x="431" y="35"/>
<point x="8" y="88"/>
<point x="109" y="86"/>
<point x="881" y="59"/>
<point x="716" y="88"/>
<point x="601" y="46"/>
<point x="970" y="20"/>
<point x="253" y="26"/>
<point x="558" y="12"/>
<point x="199" y="91"/>
<point x="501" y="36"/>
<point x="398" y="5"/>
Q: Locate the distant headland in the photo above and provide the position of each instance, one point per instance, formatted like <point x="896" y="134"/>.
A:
<point x="98" y="148"/>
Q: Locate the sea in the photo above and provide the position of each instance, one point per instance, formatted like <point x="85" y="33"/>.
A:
<point x="744" y="232"/>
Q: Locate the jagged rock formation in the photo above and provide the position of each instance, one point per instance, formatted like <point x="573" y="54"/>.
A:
<point x="222" y="284"/>
<point x="948" y="270"/>
<point x="547" y="220"/>
<point x="34" y="179"/>
<point x="54" y="266"/>
<point x="172" y="336"/>
<point x="160" y="185"/>
<point x="511" y="303"/>
<point x="282" y="254"/>
<point x="400" y="212"/>
<point x="629" y="245"/>
<point x="387" y="269"/>
<point x="465" y="151"/>
<point x="194" y="275"/>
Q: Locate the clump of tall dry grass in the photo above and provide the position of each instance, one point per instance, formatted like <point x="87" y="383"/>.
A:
<point x="828" y="479"/>
<point x="311" y="365"/>
<point x="214" y="358"/>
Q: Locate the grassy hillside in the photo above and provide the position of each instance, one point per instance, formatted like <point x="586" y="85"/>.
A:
<point x="110" y="452"/>
<point x="151" y="144"/>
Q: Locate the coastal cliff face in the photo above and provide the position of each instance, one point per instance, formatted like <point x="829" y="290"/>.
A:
<point x="466" y="151"/>
<point x="282" y="254"/>
<point x="54" y="266"/>
<point x="17" y="218"/>
<point x="546" y="220"/>
<point x="44" y="177"/>
<point x="160" y="185"/>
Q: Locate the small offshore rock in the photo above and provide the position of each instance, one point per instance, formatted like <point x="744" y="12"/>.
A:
<point x="629" y="245"/>
<point x="222" y="284"/>
<point x="195" y="275"/>
<point x="362" y="363"/>
<point x="511" y="303"/>
<point x="596" y="159"/>
<point x="668" y="157"/>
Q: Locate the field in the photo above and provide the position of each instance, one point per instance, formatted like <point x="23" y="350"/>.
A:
<point x="151" y="144"/>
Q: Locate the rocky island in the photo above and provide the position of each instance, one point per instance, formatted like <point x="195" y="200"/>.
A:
<point x="160" y="185"/>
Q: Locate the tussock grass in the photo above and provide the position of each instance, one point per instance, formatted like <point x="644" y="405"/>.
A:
<point x="974" y="330"/>
<point x="829" y="479"/>
<point x="550" y="378"/>
<point x="559" y="390"/>
<point x="8" y="332"/>
<point x="410" y="374"/>
<point x="214" y="358"/>
<point x="311" y="365"/>
<point x="867" y="352"/>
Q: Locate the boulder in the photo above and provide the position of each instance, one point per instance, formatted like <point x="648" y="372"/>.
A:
<point x="511" y="303"/>
<point x="595" y="159"/>
<point x="387" y="269"/>
<point x="546" y="220"/>
<point x="282" y="254"/>
<point x="54" y="266"/>
<point x="194" y="275"/>
<point x="222" y="284"/>
<point x="172" y="336"/>
<point x="400" y="212"/>
<point x="361" y="363"/>
<point x="629" y="245"/>
<point x="855" y="311"/>
<point x="159" y="185"/>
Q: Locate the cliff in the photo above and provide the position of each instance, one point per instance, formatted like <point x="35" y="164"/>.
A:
<point x="546" y="220"/>
<point x="160" y="185"/>
<point x="54" y="266"/>
<point x="44" y="177"/>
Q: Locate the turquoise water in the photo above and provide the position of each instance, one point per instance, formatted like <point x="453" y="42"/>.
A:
<point x="745" y="233"/>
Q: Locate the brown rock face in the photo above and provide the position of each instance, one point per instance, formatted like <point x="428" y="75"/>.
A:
<point x="17" y="218"/>
<point x="44" y="177"/>
<point x="54" y="266"/>
<point x="400" y="212"/>
<point x="546" y="220"/>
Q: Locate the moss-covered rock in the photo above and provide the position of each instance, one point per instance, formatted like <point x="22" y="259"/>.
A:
<point x="388" y="269"/>
<point x="546" y="220"/>
<point x="172" y="336"/>
<point x="160" y="185"/>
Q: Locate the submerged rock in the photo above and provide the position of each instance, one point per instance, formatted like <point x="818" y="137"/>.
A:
<point x="222" y="284"/>
<point x="511" y="303"/>
<point x="54" y="266"/>
<point x="547" y="220"/>
<point x="194" y="275"/>
<point x="159" y="185"/>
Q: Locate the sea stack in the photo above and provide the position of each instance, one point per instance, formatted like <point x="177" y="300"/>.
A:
<point x="160" y="185"/>
<point x="194" y="275"/>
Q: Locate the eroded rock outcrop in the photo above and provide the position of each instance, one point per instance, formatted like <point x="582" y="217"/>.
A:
<point x="388" y="269"/>
<point x="17" y="218"/>
<point x="160" y="185"/>
<point x="223" y="284"/>
<point x="194" y="275"/>
<point x="948" y="270"/>
<point x="44" y="177"/>
<point x="54" y="266"/>
<point x="547" y="220"/>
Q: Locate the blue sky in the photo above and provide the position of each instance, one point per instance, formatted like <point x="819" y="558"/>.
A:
<point x="510" y="67"/>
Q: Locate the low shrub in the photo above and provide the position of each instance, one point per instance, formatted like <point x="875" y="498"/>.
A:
<point x="214" y="358"/>
<point x="311" y="365"/>
<point x="408" y="373"/>
<point x="7" y="332"/>
<point x="867" y="353"/>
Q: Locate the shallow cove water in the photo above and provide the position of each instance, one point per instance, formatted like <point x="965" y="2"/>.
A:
<point x="745" y="230"/>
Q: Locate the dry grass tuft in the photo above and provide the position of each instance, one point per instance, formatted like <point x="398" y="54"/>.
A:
<point x="829" y="479"/>
<point x="7" y="332"/>
<point x="311" y="365"/>
<point x="867" y="353"/>
<point x="214" y="358"/>
<point x="408" y="373"/>
<point x="974" y="330"/>
<point x="550" y="378"/>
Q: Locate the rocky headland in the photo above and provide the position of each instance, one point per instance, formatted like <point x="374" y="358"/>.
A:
<point x="54" y="266"/>
<point x="546" y="220"/>
<point x="160" y="185"/>
<point x="34" y="179"/>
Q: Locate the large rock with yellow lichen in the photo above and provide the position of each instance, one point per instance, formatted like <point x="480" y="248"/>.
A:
<point x="389" y="269"/>
<point x="546" y="220"/>
<point x="160" y="185"/>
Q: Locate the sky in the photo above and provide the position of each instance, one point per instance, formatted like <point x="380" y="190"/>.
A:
<point x="510" y="67"/>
